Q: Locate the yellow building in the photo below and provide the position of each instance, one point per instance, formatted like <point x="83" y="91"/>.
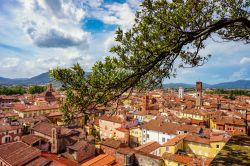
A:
<point x="194" y="144"/>
<point x="34" y="110"/>
<point x="183" y="160"/>
<point x="176" y="160"/>
<point x="173" y="145"/>
<point x="204" y="147"/>
<point x="135" y="136"/>
<point x="194" y="114"/>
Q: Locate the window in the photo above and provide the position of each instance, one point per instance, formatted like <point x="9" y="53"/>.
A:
<point x="7" y="139"/>
<point x="147" y="135"/>
<point x="217" y="146"/>
<point x="163" y="139"/>
<point x="167" y="148"/>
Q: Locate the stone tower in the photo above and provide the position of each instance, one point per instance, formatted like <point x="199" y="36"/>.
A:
<point x="181" y="92"/>
<point x="54" y="140"/>
<point x="146" y="103"/>
<point x="50" y="88"/>
<point x="49" y="97"/>
<point x="198" y="94"/>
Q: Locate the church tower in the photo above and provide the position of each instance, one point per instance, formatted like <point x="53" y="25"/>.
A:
<point x="181" y="92"/>
<point x="54" y="140"/>
<point x="50" y="88"/>
<point x="198" y="94"/>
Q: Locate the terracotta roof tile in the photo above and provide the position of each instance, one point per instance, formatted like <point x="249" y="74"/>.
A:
<point x="112" y="143"/>
<point x="78" y="145"/>
<point x="31" y="139"/>
<point x="6" y="127"/>
<point x="170" y="128"/>
<point x="148" y="147"/>
<point x="17" y="153"/>
<point x="101" y="160"/>
<point x="45" y="128"/>
<point x="126" y="150"/>
<point x="177" y="158"/>
<point x="39" y="161"/>
<point x="175" y="140"/>
<point x="113" y="118"/>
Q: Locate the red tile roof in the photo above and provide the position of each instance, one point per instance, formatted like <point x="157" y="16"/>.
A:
<point x="18" y="153"/>
<point x="31" y="139"/>
<point x="30" y="108"/>
<point x="148" y="147"/>
<point x="112" y="143"/>
<point x="177" y="158"/>
<point x="175" y="140"/>
<point x="113" y="118"/>
<point x="78" y="145"/>
<point x="101" y="160"/>
<point x="58" y="161"/>
<point x="170" y="128"/>
<point x="6" y="127"/>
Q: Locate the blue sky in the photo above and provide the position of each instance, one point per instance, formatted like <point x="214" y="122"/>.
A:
<point x="36" y="36"/>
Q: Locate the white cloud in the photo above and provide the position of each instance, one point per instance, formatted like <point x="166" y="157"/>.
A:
<point x="93" y="3"/>
<point x="245" y="60"/>
<point x="121" y="14"/>
<point x="52" y="23"/>
<point x="9" y="62"/>
<point x="50" y="32"/>
<point x="20" y="67"/>
<point x="241" y="74"/>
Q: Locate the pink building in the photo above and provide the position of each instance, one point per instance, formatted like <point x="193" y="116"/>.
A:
<point x="116" y="126"/>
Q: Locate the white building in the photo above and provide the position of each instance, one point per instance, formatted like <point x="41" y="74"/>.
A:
<point x="181" y="92"/>
<point x="160" y="131"/>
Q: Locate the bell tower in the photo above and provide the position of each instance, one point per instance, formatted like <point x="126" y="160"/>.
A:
<point x="50" y="88"/>
<point x="54" y="140"/>
<point x="198" y="94"/>
<point x="181" y="92"/>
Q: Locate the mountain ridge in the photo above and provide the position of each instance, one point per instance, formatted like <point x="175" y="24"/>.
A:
<point x="39" y="79"/>
<point x="242" y="84"/>
<point x="44" y="78"/>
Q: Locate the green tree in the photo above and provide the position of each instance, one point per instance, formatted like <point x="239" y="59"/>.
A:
<point x="12" y="90"/>
<point x="36" y="89"/>
<point x="165" y="35"/>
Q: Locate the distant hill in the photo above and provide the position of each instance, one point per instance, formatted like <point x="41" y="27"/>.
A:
<point x="44" y="79"/>
<point x="241" y="84"/>
<point x="177" y="85"/>
<point x="36" y="80"/>
<point x="39" y="79"/>
<point x="244" y="84"/>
